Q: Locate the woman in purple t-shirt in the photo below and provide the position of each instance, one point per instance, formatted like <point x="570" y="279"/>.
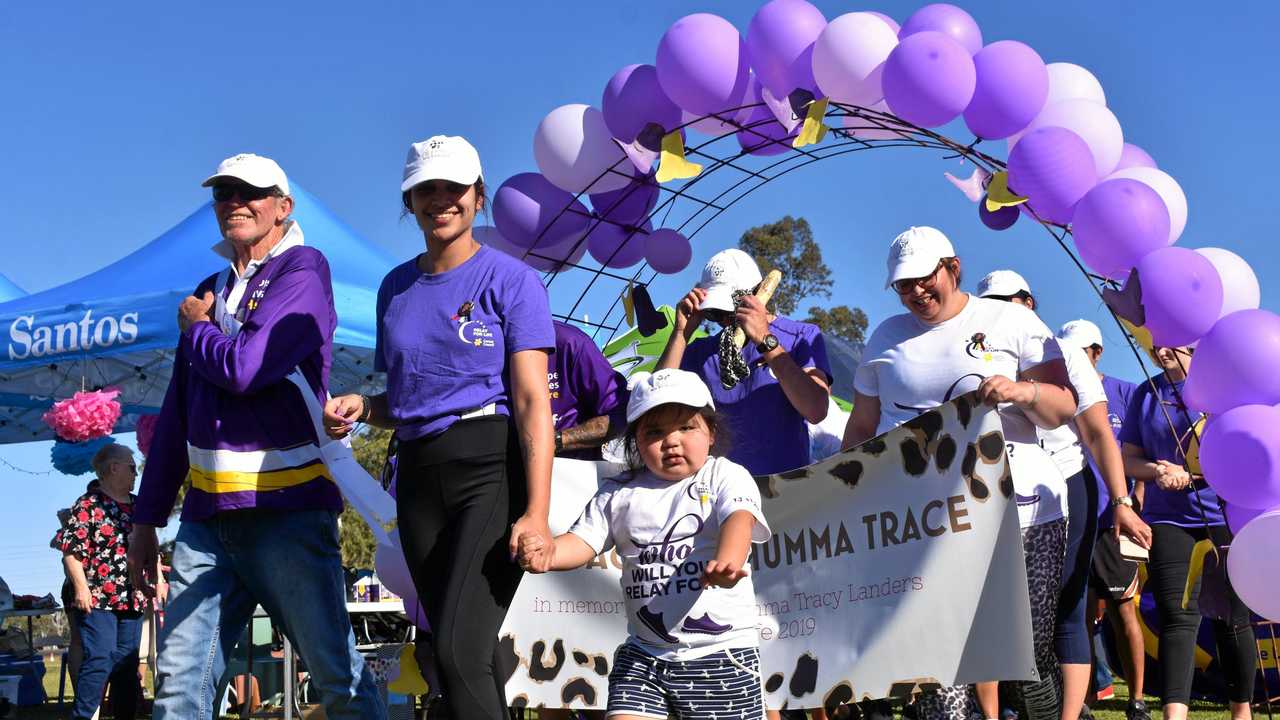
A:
<point x="463" y="335"/>
<point x="1181" y="510"/>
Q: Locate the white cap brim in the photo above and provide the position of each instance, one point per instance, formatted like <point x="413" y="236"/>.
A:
<point x="249" y="178"/>
<point x="915" y="267"/>
<point x="719" y="297"/>
<point x="427" y="173"/>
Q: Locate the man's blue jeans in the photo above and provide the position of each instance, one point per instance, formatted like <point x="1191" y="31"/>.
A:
<point x="289" y="563"/>
<point x="110" y="640"/>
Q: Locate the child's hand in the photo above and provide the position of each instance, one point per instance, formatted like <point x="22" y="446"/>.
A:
<point x="535" y="553"/>
<point x="723" y="573"/>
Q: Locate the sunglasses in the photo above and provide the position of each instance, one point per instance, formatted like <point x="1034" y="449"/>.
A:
<point x="247" y="193"/>
<point x="906" y="285"/>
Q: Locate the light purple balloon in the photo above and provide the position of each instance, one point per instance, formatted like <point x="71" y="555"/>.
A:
<point x="1238" y="517"/>
<point x="1133" y="156"/>
<point x="392" y="571"/>
<point x="667" y="251"/>
<point x="893" y="24"/>
<point x="848" y="58"/>
<point x="617" y="246"/>
<point x="1181" y="294"/>
<point x="702" y="64"/>
<point x="633" y="99"/>
<point x="528" y="206"/>
<point x="1240" y="290"/>
<point x="1011" y="89"/>
<point x="1116" y="223"/>
<point x="780" y="44"/>
<point x="1054" y="170"/>
<point x="575" y="151"/>
<point x="1240" y="455"/>
<point x="1254" y="564"/>
<point x="1235" y="363"/>
<point x="947" y="19"/>
<point x="929" y="79"/>
<point x="763" y="135"/>
<point x="1093" y="122"/>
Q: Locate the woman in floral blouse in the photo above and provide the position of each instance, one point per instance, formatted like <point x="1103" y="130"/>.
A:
<point x="94" y="546"/>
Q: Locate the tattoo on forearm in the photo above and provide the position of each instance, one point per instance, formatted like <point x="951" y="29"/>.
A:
<point x="590" y="434"/>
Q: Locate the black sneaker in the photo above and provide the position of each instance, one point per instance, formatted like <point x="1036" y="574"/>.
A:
<point x="1086" y="713"/>
<point x="1137" y="710"/>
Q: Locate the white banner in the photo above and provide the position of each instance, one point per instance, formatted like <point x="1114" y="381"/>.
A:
<point x="892" y="567"/>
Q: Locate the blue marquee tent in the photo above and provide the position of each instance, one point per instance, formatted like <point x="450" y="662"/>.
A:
<point x="9" y="291"/>
<point x="117" y="327"/>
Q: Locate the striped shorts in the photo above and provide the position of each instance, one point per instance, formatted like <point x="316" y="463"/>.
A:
<point x="725" y="684"/>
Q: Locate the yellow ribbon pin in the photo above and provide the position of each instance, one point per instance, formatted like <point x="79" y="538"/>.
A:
<point x="673" y="164"/>
<point x="813" y="130"/>
<point x="999" y="195"/>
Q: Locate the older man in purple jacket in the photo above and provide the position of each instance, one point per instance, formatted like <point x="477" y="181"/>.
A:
<point x="259" y="523"/>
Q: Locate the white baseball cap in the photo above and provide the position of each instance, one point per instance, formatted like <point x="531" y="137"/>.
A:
<point x="727" y="271"/>
<point x="1080" y="333"/>
<point x="255" y="170"/>
<point x="916" y="253"/>
<point x="667" y="386"/>
<point x="441" y="157"/>
<point x="1002" y="283"/>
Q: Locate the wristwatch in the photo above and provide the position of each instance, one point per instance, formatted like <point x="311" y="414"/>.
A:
<point x="1122" y="500"/>
<point x="559" y="441"/>
<point x="769" y="342"/>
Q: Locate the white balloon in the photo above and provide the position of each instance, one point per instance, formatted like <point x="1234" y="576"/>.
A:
<point x="849" y="55"/>
<point x="1240" y="290"/>
<point x="1072" y="82"/>
<point x="1094" y="123"/>
<point x="1168" y="189"/>
<point x="573" y="147"/>
<point x="1254" y="564"/>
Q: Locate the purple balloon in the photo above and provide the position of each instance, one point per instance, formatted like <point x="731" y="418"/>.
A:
<point x="947" y="19"/>
<point x="1054" y="171"/>
<point x="667" y="251"/>
<point x="633" y="99"/>
<point x="929" y="79"/>
<point x="1001" y="219"/>
<point x="763" y="135"/>
<point x="1181" y="294"/>
<point x="1238" y="517"/>
<point x="702" y="64"/>
<point x="617" y="246"/>
<point x="558" y="257"/>
<point x="1240" y="454"/>
<point x="893" y="24"/>
<point x="1011" y="89"/>
<point x="528" y="207"/>
<point x="1116" y="223"/>
<point x="1235" y="363"/>
<point x="630" y="205"/>
<point x="780" y="44"/>
<point x="1133" y="156"/>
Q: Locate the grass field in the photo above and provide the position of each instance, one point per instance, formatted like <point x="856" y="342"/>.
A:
<point x="1110" y="709"/>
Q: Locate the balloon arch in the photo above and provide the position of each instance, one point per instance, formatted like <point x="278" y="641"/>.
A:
<point x="797" y="89"/>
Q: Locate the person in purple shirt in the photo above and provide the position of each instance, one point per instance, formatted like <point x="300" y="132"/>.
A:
<point x="1181" y="510"/>
<point x="788" y="380"/>
<point x="588" y="397"/>
<point x="463" y="335"/>
<point x="260" y="519"/>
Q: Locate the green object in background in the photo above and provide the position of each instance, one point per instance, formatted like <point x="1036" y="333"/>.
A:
<point x="632" y="352"/>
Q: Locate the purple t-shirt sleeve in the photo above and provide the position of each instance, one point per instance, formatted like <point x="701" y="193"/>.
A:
<point x="599" y="387"/>
<point x="166" y="467"/>
<point x="810" y="351"/>
<point x="526" y="313"/>
<point x="292" y="320"/>
<point x="1131" y="430"/>
<point x="380" y="362"/>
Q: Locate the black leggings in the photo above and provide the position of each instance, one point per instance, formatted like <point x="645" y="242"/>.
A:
<point x="1070" y="633"/>
<point x="1167" y="571"/>
<point x="457" y="494"/>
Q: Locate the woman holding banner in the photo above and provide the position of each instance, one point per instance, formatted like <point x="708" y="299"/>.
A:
<point x="463" y="334"/>
<point x="950" y="343"/>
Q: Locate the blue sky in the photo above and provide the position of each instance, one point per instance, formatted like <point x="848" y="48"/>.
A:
<point x="113" y="116"/>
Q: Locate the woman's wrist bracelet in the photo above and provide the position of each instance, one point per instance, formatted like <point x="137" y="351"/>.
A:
<point x="366" y="408"/>
<point x="1035" y="397"/>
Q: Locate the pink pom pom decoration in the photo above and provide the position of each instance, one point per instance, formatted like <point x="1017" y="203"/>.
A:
<point x="145" y="431"/>
<point x="85" y="416"/>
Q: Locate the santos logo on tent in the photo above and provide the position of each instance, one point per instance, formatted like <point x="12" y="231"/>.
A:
<point x="26" y="339"/>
